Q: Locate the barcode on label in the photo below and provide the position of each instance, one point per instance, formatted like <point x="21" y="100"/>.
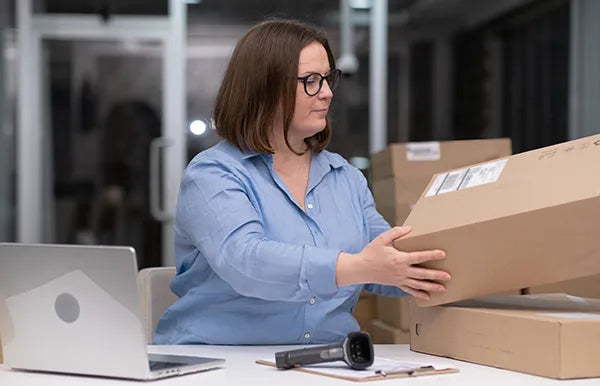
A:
<point x="467" y="178"/>
<point x="436" y="185"/>
<point x="465" y="182"/>
<point x="483" y="174"/>
<point x="452" y="181"/>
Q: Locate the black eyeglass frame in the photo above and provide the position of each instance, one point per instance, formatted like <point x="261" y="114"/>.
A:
<point x="335" y="76"/>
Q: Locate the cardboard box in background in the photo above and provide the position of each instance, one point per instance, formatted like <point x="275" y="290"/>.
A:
<point x="395" y="197"/>
<point x="587" y="287"/>
<point x="401" y="172"/>
<point x="394" y="312"/>
<point x="523" y="221"/>
<point x="365" y="310"/>
<point x="393" y="320"/>
<point x="419" y="159"/>
<point x="548" y="335"/>
<point x="383" y="333"/>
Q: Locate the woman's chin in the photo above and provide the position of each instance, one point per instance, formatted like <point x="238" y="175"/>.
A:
<point x="319" y="124"/>
<point x="312" y="128"/>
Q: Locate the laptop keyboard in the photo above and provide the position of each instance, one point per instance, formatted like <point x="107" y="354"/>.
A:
<point x="157" y="365"/>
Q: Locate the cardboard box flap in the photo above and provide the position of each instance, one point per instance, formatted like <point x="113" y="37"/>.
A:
<point x="524" y="182"/>
<point x="417" y="159"/>
<point x="557" y="302"/>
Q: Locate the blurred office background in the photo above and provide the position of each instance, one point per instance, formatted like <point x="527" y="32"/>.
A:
<point x="103" y="102"/>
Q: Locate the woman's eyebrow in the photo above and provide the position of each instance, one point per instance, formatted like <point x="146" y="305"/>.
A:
<point x="308" y="72"/>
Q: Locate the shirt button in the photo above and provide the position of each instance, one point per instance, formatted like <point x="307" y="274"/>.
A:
<point x="307" y="335"/>
<point x="309" y="206"/>
<point x="312" y="300"/>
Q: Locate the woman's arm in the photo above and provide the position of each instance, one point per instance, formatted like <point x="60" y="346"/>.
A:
<point x="390" y="272"/>
<point x="217" y="215"/>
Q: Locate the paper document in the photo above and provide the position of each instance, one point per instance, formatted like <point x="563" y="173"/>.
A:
<point x="380" y="369"/>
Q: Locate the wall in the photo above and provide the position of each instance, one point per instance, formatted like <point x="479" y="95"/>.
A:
<point x="584" y="104"/>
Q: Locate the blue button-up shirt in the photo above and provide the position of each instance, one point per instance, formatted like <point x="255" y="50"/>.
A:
<point x="252" y="266"/>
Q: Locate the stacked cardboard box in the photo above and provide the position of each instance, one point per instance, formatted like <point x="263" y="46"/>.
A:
<point x="399" y="174"/>
<point x="393" y="321"/>
<point x="548" y="335"/>
<point x="366" y="310"/>
<point x="528" y="220"/>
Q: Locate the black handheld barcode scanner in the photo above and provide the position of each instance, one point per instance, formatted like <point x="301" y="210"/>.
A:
<point x="356" y="350"/>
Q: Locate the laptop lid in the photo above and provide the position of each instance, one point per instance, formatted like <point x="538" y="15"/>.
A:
<point x="72" y="309"/>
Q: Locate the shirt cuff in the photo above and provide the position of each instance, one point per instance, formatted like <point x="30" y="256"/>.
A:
<point x="320" y="271"/>
<point x="385" y="290"/>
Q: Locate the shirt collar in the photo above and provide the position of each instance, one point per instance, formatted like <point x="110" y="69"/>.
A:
<point x="249" y="154"/>
<point x="323" y="159"/>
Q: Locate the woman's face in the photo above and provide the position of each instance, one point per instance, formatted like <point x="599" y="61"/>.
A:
<point x="310" y="111"/>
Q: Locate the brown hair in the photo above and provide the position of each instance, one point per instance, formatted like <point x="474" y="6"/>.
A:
<point x="261" y="74"/>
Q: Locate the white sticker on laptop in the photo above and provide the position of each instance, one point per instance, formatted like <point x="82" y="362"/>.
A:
<point x="572" y="315"/>
<point x="467" y="178"/>
<point x="423" y="151"/>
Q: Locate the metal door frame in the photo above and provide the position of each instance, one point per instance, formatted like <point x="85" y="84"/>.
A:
<point x="32" y="29"/>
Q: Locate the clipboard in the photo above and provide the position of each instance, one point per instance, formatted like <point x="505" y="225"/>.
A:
<point x="374" y="373"/>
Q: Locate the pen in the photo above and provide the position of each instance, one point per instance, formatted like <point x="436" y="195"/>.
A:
<point x="409" y="372"/>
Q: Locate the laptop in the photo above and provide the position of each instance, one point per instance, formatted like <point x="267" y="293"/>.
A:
<point x="76" y="309"/>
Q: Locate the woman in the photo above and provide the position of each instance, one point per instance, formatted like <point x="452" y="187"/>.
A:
<point x="275" y="237"/>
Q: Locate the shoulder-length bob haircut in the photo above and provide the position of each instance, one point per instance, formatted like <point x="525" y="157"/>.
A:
<point x="262" y="74"/>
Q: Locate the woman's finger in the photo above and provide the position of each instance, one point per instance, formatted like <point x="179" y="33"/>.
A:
<point x="428" y="274"/>
<point x="390" y="235"/>
<point x="415" y="292"/>
<point x="418" y="257"/>
<point x="424" y="285"/>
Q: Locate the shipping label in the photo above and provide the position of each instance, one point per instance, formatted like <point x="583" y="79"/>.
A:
<point x="423" y="151"/>
<point x="467" y="178"/>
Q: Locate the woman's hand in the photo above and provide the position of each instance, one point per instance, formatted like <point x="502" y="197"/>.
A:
<point x="379" y="262"/>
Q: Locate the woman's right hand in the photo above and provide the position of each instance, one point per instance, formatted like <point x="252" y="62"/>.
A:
<point x="381" y="263"/>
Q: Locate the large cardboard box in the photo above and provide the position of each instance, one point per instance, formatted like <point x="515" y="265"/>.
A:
<point x="525" y="220"/>
<point x="587" y="287"/>
<point x="401" y="172"/>
<point x="549" y="335"/>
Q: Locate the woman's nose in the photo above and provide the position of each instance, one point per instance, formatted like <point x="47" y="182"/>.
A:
<point x="325" y="91"/>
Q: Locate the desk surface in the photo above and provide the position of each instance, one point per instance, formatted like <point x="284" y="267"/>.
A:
<point x="240" y="369"/>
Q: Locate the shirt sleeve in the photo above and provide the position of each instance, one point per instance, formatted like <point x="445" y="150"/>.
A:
<point x="217" y="215"/>
<point x="376" y="225"/>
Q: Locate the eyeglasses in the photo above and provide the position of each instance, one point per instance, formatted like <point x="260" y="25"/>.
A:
<point x="313" y="82"/>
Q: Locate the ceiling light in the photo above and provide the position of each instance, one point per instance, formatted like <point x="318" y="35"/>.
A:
<point x="198" y="127"/>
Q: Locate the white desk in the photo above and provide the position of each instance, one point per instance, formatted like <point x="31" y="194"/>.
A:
<point x="240" y="369"/>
